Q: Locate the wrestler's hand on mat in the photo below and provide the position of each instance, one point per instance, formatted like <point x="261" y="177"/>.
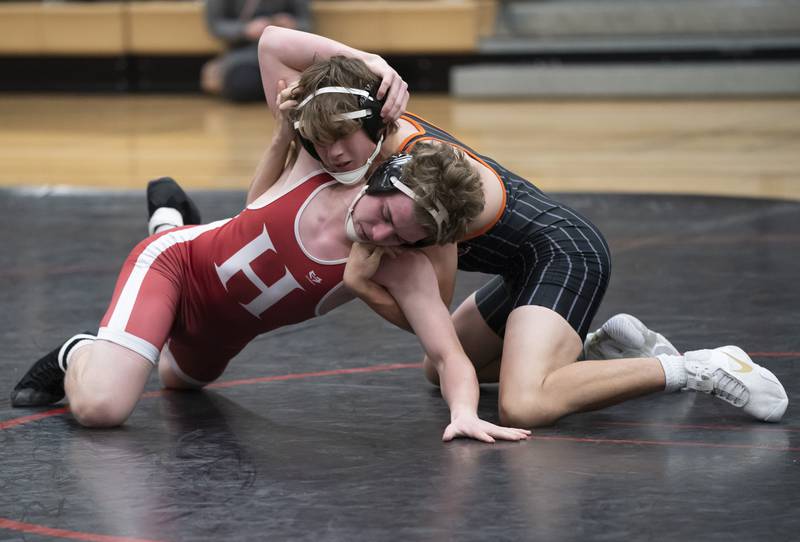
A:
<point x="470" y="426"/>
<point x="392" y="86"/>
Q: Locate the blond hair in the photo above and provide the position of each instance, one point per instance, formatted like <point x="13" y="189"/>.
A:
<point x="441" y="173"/>
<point x="318" y="118"/>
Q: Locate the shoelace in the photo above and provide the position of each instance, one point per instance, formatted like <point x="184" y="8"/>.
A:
<point x="729" y="389"/>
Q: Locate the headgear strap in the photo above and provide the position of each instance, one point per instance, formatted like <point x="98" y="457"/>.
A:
<point x="440" y="214"/>
<point x="358" y="114"/>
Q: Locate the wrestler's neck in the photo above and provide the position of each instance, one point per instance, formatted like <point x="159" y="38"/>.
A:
<point x="390" y="145"/>
<point x="322" y="224"/>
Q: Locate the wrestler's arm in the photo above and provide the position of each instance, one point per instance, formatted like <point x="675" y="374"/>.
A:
<point x="273" y="161"/>
<point x="269" y="168"/>
<point x="359" y="270"/>
<point x="410" y="279"/>
<point x="284" y="53"/>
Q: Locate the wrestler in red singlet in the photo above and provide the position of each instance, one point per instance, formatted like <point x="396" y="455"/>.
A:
<point x="211" y="289"/>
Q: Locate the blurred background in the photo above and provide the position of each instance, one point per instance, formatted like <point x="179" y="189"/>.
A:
<point x="678" y="96"/>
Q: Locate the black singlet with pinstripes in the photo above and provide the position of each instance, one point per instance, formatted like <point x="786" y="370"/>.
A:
<point x="543" y="252"/>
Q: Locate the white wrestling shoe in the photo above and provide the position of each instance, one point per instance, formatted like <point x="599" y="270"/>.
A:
<point x="625" y="336"/>
<point x="729" y="373"/>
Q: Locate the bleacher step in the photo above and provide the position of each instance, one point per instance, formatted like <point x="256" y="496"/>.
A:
<point x="681" y="79"/>
<point x="648" y="17"/>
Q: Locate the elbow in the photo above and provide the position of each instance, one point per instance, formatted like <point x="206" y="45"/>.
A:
<point x="435" y="360"/>
<point x="269" y="42"/>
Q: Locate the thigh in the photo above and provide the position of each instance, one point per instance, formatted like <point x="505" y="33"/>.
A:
<point x="146" y="298"/>
<point x="117" y="368"/>
<point x="567" y="266"/>
<point x="107" y="379"/>
<point x="171" y="375"/>
<point x="494" y="301"/>
<point x="537" y="342"/>
<point x="564" y="272"/>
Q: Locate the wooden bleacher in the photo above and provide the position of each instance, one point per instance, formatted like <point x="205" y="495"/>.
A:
<point x="178" y="27"/>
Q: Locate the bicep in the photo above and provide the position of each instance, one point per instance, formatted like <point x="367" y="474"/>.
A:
<point x="445" y="262"/>
<point x="409" y="271"/>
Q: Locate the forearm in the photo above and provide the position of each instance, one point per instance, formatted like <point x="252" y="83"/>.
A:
<point x="432" y="324"/>
<point x="459" y="385"/>
<point x="377" y="296"/>
<point x="283" y="54"/>
<point x="411" y="280"/>
<point x="298" y="50"/>
<point x="457" y="378"/>
<point x="382" y="302"/>
<point x="270" y="167"/>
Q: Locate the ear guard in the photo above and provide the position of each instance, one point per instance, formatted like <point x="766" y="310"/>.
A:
<point x="387" y="179"/>
<point x="368" y="112"/>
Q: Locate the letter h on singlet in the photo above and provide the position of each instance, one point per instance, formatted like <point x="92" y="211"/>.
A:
<point x="241" y="262"/>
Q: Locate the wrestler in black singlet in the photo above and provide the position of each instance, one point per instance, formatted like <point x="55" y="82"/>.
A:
<point x="543" y="252"/>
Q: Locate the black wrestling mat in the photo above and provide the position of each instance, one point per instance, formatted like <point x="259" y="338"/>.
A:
<point x="328" y="430"/>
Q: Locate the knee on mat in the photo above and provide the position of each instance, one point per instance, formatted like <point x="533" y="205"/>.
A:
<point x="526" y="412"/>
<point x="99" y="411"/>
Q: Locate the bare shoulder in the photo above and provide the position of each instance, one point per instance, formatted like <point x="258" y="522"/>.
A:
<point x="494" y="194"/>
<point x="301" y="168"/>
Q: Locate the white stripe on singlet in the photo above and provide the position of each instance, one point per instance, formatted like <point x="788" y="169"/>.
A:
<point x="569" y="272"/>
<point x="127" y="297"/>
<point x="572" y="240"/>
<point x="553" y="206"/>
<point x="131" y="342"/>
<point x="599" y="261"/>
<point x="498" y="306"/>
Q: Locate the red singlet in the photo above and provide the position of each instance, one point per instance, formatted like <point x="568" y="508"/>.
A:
<point x="212" y="288"/>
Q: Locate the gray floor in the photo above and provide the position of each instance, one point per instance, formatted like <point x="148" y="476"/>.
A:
<point x="331" y="452"/>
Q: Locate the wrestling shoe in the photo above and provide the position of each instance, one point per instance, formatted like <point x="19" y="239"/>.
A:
<point x="625" y="336"/>
<point x="729" y="373"/>
<point x="165" y="196"/>
<point x="43" y="384"/>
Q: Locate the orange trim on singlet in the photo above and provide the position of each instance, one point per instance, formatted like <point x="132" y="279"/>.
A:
<point x="428" y="122"/>
<point x="420" y="130"/>
<point x="502" y="209"/>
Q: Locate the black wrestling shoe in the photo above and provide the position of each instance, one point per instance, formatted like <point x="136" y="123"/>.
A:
<point x="165" y="192"/>
<point x="43" y="384"/>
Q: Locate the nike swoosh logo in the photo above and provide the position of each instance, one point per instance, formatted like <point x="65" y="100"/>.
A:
<point x="743" y="367"/>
